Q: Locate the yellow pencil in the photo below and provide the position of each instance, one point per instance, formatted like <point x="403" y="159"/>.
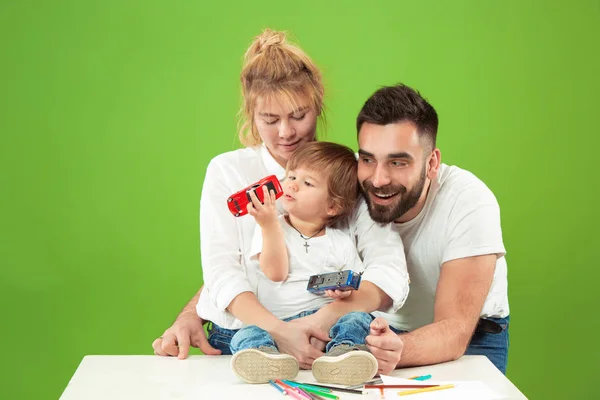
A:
<point x="429" y="389"/>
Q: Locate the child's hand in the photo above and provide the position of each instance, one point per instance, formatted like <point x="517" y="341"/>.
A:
<point x="264" y="214"/>
<point x="338" y="294"/>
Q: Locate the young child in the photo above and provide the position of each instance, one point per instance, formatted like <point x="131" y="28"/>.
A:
<point x="320" y="188"/>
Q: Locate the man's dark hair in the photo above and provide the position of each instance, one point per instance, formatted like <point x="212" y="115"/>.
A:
<point x="392" y="104"/>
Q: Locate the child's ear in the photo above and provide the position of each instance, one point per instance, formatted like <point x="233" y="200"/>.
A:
<point x="333" y="209"/>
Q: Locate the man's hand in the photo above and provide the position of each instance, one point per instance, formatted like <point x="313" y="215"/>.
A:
<point x="176" y="340"/>
<point x="293" y="338"/>
<point x="385" y="345"/>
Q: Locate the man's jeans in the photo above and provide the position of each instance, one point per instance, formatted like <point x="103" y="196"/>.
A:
<point x="492" y="345"/>
<point x="351" y="329"/>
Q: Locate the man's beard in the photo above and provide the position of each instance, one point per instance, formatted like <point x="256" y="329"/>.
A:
<point x="405" y="201"/>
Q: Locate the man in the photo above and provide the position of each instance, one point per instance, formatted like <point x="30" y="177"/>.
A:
<point x="449" y="222"/>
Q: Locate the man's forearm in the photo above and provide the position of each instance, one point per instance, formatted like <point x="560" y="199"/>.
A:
<point x="367" y="299"/>
<point x="190" y="308"/>
<point x="440" y="341"/>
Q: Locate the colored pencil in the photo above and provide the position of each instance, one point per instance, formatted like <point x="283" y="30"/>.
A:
<point x="371" y="382"/>
<point x="321" y="394"/>
<point x="294" y="394"/>
<point x="302" y="393"/>
<point x="335" y="389"/>
<point x="429" y="389"/>
<point x="399" y="386"/>
<point x="276" y="386"/>
<point x="304" y="385"/>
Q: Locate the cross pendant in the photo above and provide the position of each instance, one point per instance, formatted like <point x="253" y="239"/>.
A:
<point x="306" y="246"/>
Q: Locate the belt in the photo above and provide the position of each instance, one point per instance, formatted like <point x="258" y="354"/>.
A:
<point x="488" y="326"/>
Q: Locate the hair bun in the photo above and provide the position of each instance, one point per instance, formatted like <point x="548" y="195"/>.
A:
<point x="270" y="38"/>
<point x="263" y="42"/>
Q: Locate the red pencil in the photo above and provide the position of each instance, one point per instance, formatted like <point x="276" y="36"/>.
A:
<point x="398" y="386"/>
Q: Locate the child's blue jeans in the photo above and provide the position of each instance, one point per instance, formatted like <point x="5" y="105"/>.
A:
<point x="351" y="329"/>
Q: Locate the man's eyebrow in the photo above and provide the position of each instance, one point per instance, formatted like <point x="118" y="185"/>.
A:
<point x="289" y="115"/>
<point x="402" y="154"/>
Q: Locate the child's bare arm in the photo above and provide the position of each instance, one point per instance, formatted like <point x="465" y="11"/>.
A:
<point x="273" y="258"/>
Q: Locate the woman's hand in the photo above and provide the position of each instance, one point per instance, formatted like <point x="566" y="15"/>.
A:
<point x="293" y="338"/>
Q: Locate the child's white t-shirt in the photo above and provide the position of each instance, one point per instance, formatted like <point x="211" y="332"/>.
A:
<point x="334" y="251"/>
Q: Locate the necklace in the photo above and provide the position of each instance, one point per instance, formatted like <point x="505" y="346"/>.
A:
<point x="306" y="238"/>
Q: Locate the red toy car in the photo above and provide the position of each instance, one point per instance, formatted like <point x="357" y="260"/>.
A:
<point x="238" y="202"/>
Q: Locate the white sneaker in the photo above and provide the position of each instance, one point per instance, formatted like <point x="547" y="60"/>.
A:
<point x="258" y="366"/>
<point x="344" y="365"/>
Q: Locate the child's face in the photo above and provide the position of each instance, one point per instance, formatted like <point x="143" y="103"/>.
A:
<point x="305" y="195"/>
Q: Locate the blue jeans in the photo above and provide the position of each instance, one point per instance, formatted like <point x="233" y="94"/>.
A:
<point x="492" y="345"/>
<point x="351" y="329"/>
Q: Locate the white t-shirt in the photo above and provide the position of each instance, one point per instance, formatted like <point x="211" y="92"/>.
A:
<point x="461" y="218"/>
<point x="331" y="252"/>
<point x="225" y="240"/>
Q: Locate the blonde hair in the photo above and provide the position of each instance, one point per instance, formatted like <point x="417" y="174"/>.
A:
<point x="338" y="163"/>
<point x="276" y="70"/>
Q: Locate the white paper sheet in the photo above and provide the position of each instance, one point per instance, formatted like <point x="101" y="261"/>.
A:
<point x="462" y="390"/>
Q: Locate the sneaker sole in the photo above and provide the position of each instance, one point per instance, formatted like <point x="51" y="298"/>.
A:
<point x="254" y="366"/>
<point x="352" y="368"/>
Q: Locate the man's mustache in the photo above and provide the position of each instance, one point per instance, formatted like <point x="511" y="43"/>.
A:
<point x="385" y="190"/>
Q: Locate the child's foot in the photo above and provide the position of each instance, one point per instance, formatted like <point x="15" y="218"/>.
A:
<point x="345" y="365"/>
<point x="262" y="365"/>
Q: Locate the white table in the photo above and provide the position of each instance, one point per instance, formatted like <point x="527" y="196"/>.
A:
<point x="209" y="377"/>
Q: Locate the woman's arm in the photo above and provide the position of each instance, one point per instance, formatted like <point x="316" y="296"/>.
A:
<point x="224" y="276"/>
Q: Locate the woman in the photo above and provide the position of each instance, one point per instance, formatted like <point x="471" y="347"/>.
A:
<point x="282" y="100"/>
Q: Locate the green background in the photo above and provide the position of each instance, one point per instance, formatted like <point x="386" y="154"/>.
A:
<point x="110" y="112"/>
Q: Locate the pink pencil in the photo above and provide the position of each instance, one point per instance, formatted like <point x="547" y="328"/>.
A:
<point x="294" y="394"/>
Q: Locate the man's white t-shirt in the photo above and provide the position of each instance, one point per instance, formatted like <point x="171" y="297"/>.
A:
<point x="461" y="218"/>
<point x="332" y="252"/>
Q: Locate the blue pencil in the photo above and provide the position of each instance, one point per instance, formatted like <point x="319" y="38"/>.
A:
<point x="422" y="378"/>
<point x="276" y="386"/>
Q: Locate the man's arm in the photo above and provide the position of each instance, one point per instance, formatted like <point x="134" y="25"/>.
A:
<point x="461" y="292"/>
<point x="186" y="330"/>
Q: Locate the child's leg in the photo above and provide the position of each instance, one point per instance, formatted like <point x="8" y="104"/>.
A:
<point x="351" y="329"/>
<point x="348" y="360"/>
<point x="256" y="358"/>
<point x="220" y="338"/>
<point x="251" y="337"/>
